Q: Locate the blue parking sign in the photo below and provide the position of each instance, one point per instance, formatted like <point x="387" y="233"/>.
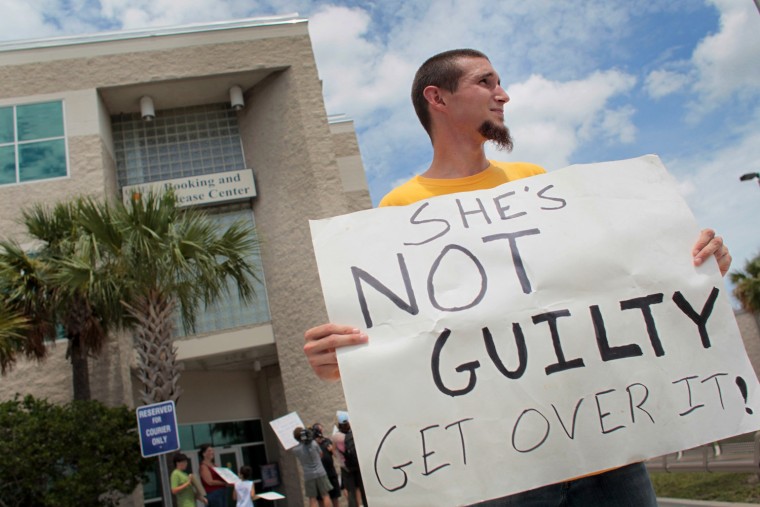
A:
<point x="157" y="424"/>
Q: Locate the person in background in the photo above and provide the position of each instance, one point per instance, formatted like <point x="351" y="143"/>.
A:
<point x="215" y="486"/>
<point x="182" y="482"/>
<point x="307" y="451"/>
<point x="244" y="490"/>
<point x="350" y="475"/>
<point x="328" y="453"/>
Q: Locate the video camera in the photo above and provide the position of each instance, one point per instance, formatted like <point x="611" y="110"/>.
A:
<point x="307" y="435"/>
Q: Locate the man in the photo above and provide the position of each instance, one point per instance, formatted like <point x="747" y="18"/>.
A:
<point x="459" y="100"/>
<point x="307" y="451"/>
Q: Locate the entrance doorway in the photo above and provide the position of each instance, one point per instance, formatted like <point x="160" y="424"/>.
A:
<point x="229" y="457"/>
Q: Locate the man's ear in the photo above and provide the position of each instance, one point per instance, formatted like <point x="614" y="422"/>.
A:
<point x="434" y="96"/>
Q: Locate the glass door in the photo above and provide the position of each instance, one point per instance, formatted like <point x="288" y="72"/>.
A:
<point x="229" y="457"/>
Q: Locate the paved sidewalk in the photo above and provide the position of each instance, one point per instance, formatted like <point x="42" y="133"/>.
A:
<point x="675" y="502"/>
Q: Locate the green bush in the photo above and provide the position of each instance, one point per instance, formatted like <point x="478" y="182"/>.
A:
<point x="81" y="454"/>
<point x="707" y="486"/>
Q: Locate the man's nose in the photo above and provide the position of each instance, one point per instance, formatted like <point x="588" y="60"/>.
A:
<point x="501" y="94"/>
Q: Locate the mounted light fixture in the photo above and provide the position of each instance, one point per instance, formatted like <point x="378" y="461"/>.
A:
<point x="750" y="177"/>
<point x="236" y="98"/>
<point x="147" y="110"/>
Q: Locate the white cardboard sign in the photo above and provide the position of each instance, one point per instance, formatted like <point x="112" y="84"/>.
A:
<point x="519" y="336"/>
<point x="283" y="427"/>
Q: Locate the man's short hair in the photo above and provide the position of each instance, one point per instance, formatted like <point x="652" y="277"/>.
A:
<point x="441" y="70"/>
<point x="297" y="433"/>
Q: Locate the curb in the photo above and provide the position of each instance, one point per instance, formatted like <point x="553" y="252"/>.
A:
<point x="677" y="502"/>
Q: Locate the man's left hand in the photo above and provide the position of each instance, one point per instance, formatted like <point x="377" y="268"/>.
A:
<point x="709" y="244"/>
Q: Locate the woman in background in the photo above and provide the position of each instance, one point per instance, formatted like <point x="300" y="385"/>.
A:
<point x="215" y="486"/>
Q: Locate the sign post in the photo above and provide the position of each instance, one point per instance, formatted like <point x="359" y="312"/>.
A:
<point x="157" y="424"/>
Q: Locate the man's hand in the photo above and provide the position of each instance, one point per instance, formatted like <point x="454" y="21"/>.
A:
<point x="709" y="244"/>
<point x="321" y="342"/>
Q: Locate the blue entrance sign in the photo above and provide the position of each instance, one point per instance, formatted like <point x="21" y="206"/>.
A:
<point x="157" y="424"/>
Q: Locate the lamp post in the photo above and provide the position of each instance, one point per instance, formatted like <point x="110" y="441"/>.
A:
<point x="749" y="177"/>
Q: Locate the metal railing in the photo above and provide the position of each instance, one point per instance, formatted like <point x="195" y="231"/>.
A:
<point x="716" y="457"/>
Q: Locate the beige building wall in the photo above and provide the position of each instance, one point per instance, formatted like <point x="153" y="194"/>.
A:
<point x="304" y="169"/>
<point x="749" y="327"/>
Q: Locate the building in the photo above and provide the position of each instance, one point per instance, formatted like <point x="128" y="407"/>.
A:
<point x="236" y="101"/>
<point x="749" y="327"/>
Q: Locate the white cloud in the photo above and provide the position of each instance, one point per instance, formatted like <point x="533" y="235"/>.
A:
<point x="617" y="124"/>
<point x="710" y="183"/>
<point x="360" y="76"/>
<point x="134" y="14"/>
<point x="660" y="83"/>
<point x="367" y="75"/>
<point x="25" y="20"/>
<point x="727" y="62"/>
<point x="723" y="64"/>
<point x="550" y="119"/>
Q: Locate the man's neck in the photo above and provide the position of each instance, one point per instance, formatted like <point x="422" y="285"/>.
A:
<point x="456" y="160"/>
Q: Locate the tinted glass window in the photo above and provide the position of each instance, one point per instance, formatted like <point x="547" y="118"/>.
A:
<point x="43" y="160"/>
<point x="6" y="125"/>
<point x="7" y="164"/>
<point x="39" y="121"/>
<point x="32" y="143"/>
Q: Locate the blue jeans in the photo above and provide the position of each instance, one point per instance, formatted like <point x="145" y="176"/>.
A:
<point x="628" y="486"/>
<point x="217" y="498"/>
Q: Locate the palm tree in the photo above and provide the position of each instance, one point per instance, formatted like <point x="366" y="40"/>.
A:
<point x="161" y="260"/>
<point x="40" y="284"/>
<point x="747" y="285"/>
<point x="26" y="315"/>
<point x="13" y="327"/>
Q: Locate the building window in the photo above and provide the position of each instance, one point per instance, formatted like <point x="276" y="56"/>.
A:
<point x="229" y="311"/>
<point x="32" y="143"/>
<point x="185" y="142"/>
<point x="182" y="142"/>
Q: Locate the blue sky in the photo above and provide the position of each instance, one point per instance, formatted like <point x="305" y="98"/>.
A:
<point x="590" y="81"/>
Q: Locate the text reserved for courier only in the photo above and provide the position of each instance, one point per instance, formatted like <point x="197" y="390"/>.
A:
<point x="541" y="330"/>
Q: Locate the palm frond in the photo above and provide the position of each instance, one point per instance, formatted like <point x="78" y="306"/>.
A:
<point x="747" y="285"/>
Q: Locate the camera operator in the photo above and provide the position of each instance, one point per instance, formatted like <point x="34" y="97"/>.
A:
<point x="315" y="478"/>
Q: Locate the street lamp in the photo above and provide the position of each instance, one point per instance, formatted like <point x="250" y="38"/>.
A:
<point x="750" y="176"/>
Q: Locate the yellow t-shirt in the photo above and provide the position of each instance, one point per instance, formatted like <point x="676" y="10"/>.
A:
<point x="497" y="173"/>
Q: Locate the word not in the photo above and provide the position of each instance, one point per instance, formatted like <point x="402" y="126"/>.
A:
<point x="410" y="305"/>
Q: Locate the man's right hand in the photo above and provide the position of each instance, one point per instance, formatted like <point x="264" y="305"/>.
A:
<point x="321" y="342"/>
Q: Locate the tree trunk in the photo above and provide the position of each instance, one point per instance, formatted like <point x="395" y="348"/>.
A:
<point x="80" y="370"/>
<point x="158" y="369"/>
